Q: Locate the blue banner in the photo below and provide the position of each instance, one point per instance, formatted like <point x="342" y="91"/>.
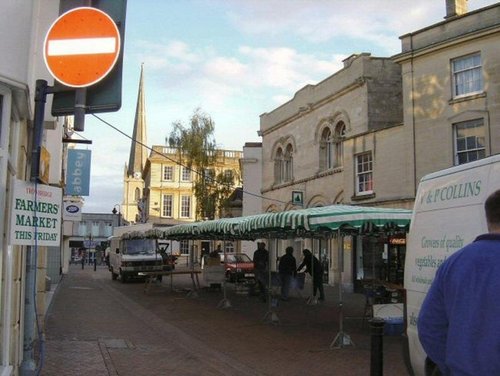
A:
<point x="78" y="173"/>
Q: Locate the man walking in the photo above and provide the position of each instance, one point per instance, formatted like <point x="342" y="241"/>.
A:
<point x="287" y="269"/>
<point x="459" y="322"/>
<point x="261" y="263"/>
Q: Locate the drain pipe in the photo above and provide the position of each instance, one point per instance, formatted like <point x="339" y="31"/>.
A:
<point x="28" y="365"/>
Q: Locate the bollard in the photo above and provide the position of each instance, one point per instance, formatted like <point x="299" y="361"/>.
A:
<point x="377" y="347"/>
<point x="95" y="264"/>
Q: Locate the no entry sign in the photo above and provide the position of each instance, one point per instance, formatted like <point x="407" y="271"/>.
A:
<point x="81" y="47"/>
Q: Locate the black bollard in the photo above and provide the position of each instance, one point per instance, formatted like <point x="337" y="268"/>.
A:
<point x="95" y="264"/>
<point x="377" y="347"/>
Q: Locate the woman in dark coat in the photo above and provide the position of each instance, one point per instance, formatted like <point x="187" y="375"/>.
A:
<point x="314" y="268"/>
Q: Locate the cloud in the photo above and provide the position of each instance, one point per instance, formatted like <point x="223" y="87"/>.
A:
<point x="320" y="21"/>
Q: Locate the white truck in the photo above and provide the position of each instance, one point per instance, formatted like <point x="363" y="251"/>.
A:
<point x="448" y="214"/>
<point x="128" y="257"/>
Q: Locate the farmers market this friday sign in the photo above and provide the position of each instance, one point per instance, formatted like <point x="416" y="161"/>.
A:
<point x="36" y="214"/>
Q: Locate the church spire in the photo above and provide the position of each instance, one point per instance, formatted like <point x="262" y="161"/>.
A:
<point x="138" y="152"/>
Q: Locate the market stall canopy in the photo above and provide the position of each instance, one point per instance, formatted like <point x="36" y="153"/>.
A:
<point x="336" y="216"/>
<point x="299" y="223"/>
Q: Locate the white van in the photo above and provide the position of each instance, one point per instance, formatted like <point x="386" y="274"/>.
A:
<point x="448" y="214"/>
<point x="128" y="257"/>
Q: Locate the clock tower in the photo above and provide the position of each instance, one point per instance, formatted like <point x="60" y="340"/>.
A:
<point x="133" y="183"/>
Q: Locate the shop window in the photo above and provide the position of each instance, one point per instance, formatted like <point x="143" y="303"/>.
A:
<point x="229" y="246"/>
<point x="184" y="247"/>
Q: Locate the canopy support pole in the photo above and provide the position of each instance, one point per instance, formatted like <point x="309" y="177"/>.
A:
<point x="224" y="303"/>
<point x="342" y="339"/>
<point x="194" y="291"/>
<point x="271" y="315"/>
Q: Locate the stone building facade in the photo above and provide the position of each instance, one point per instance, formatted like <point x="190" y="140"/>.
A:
<point x="367" y="134"/>
<point x="168" y="195"/>
<point x="340" y="141"/>
<point x="451" y="88"/>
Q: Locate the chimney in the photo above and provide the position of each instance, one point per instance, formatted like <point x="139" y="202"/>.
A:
<point x="455" y="8"/>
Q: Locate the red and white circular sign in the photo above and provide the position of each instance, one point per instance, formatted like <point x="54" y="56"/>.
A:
<point x="81" y="47"/>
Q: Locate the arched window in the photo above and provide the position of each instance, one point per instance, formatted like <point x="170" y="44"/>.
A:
<point x="339" y="144"/>
<point x="278" y="163"/>
<point x="326" y="149"/>
<point x="288" y="163"/>
<point x="137" y="194"/>
<point x="331" y="149"/>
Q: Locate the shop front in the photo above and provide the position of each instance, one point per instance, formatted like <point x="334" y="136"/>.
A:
<point x="379" y="260"/>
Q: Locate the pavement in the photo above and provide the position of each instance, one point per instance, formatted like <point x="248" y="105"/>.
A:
<point x="96" y="326"/>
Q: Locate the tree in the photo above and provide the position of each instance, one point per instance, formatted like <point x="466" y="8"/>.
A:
<point x="198" y="152"/>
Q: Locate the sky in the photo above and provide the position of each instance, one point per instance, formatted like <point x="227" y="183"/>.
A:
<point x="235" y="60"/>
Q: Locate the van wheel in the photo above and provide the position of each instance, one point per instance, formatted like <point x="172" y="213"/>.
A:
<point x="123" y="277"/>
<point x="114" y="276"/>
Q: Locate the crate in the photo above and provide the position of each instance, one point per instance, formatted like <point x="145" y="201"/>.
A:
<point x="393" y="326"/>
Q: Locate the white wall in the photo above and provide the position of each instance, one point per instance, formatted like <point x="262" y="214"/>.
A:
<point x="251" y="165"/>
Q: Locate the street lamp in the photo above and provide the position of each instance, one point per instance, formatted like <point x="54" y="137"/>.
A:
<point x="114" y="211"/>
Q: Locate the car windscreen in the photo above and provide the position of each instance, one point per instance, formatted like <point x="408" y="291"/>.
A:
<point x="239" y="258"/>
<point x="139" y="247"/>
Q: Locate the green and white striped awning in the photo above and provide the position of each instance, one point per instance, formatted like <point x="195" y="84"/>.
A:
<point x="337" y="216"/>
<point x="302" y="222"/>
<point x="179" y="232"/>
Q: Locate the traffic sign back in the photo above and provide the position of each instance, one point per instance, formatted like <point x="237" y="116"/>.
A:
<point x="81" y="47"/>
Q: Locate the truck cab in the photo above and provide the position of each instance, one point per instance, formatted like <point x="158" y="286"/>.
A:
<point x="128" y="257"/>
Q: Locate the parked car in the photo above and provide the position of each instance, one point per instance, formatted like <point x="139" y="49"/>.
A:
<point x="238" y="267"/>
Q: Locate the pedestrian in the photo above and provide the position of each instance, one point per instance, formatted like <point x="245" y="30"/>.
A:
<point x="459" y="324"/>
<point x="287" y="269"/>
<point x="261" y="263"/>
<point x="203" y="256"/>
<point x="313" y="267"/>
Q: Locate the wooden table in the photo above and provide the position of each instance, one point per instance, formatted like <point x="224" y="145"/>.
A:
<point x="152" y="276"/>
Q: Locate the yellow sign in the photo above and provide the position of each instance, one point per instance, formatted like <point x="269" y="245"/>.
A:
<point x="44" y="169"/>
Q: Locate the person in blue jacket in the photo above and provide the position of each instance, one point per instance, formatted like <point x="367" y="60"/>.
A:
<point x="459" y="322"/>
